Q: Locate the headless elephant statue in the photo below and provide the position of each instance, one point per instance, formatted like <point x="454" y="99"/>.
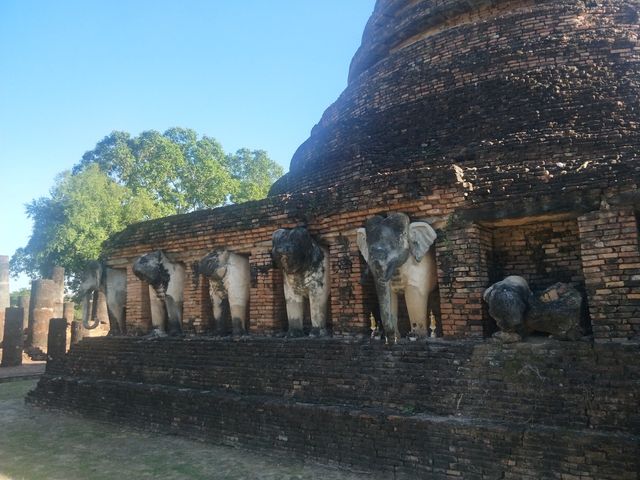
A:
<point x="401" y="260"/>
<point x="166" y="282"/>
<point x="229" y="279"/>
<point x="305" y="267"/>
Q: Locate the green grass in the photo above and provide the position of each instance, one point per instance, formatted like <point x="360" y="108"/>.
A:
<point x="42" y="445"/>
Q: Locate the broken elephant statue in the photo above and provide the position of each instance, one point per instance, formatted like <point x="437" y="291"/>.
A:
<point x="518" y="312"/>
<point x="229" y="279"/>
<point x="305" y="267"/>
<point x="166" y="281"/>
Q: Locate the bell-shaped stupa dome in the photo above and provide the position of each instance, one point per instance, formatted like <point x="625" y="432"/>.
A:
<point x="515" y="98"/>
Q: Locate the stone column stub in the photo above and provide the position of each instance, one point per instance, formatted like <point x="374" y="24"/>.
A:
<point x="4" y="291"/>
<point x="44" y="294"/>
<point x="12" y="346"/>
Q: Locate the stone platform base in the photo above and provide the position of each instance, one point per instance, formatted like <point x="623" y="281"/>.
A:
<point x="534" y="410"/>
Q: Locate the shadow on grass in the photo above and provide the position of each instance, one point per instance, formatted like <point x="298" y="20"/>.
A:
<point x="43" y="445"/>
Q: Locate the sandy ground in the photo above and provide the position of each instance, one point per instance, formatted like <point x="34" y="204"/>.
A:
<point x="38" y="445"/>
<point x="33" y="369"/>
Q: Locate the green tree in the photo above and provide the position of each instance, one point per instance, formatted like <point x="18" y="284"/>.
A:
<point x="70" y="225"/>
<point x="182" y="171"/>
<point x="17" y="294"/>
<point x="127" y="179"/>
<point x="254" y="173"/>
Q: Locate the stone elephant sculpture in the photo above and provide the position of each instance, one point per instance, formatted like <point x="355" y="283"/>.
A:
<point x="166" y="282"/>
<point x="519" y="312"/>
<point x="305" y="267"/>
<point x="229" y="279"/>
<point x="401" y="259"/>
<point x="112" y="282"/>
<point x="508" y="301"/>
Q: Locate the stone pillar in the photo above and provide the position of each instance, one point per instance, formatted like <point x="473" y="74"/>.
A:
<point x="24" y="304"/>
<point x="57" y="339"/>
<point x="350" y="305"/>
<point x="12" y="346"/>
<point x="138" y="308"/>
<point x="611" y="266"/>
<point x="267" y="311"/>
<point x="69" y="314"/>
<point x="58" y="277"/>
<point x="463" y="275"/>
<point x="4" y="291"/>
<point x="77" y="332"/>
<point x="44" y="295"/>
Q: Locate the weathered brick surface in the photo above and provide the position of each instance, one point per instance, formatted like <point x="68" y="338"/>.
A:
<point x="531" y="100"/>
<point x="511" y="126"/>
<point x="186" y="238"/>
<point x="533" y="410"/>
<point x="462" y="278"/>
<point x="611" y="264"/>
<point x="467" y="113"/>
<point x="543" y="253"/>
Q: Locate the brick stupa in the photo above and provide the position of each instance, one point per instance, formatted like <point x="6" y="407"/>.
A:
<point x="511" y="127"/>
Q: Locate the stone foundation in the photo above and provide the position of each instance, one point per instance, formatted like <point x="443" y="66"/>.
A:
<point x="541" y="409"/>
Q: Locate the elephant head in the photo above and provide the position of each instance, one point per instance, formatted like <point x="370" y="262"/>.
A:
<point x="305" y="267"/>
<point x="152" y="268"/>
<point x="387" y="245"/>
<point x="214" y="264"/>
<point x="166" y="278"/>
<point x="89" y="289"/>
<point x="112" y="282"/>
<point x="294" y="250"/>
<point x="508" y="301"/>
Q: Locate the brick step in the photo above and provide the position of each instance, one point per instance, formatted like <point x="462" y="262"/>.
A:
<point x="409" y="445"/>
<point x="571" y="384"/>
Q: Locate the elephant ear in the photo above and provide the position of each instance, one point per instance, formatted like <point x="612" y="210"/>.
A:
<point x="421" y="237"/>
<point x="361" y="239"/>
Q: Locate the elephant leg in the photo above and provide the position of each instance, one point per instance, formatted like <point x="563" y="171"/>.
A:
<point x="238" y="318"/>
<point x="174" y="316"/>
<point x="318" y="306"/>
<point x="218" y="314"/>
<point x="158" y="313"/>
<point x="239" y="301"/>
<point x="394" y="317"/>
<point x="295" y="310"/>
<point x="319" y="303"/>
<point x="388" y="301"/>
<point x="114" y="311"/>
<point x="116" y="291"/>
<point x="417" y="306"/>
<point x="173" y="299"/>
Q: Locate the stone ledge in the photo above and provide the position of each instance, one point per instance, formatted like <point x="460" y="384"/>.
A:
<point x="407" y="445"/>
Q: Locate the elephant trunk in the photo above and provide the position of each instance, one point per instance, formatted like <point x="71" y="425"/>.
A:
<point x="89" y="313"/>
<point x="385" y="269"/>
<point x="386" y="311"/>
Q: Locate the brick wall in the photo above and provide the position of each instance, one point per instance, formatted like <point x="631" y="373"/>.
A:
<point x="462" y="278"/>
<point x="542" y="252"/>
<point x="440" y="409"/>
<point x="611" y="264"/>
<point x="186" y="238"/>
<point x="530" y="99"/>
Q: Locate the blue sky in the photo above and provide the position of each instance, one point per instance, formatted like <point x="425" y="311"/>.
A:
<point x="252" y="73"/>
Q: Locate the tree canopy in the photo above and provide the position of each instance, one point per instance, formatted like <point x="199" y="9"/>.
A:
<point x="181" y="171"/>
<point x="127" y="179"/>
